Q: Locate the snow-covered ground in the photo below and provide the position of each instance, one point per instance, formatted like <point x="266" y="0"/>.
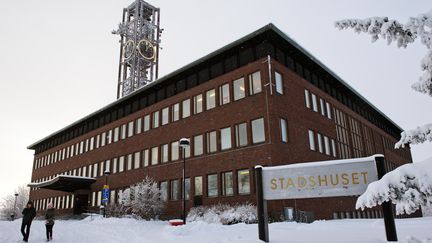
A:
<point x="113" y="230"/>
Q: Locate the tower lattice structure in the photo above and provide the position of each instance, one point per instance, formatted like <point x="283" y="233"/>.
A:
<point x="139" y="47"/>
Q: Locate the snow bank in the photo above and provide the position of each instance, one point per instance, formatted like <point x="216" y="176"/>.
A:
<point x="409" y="187"/>
<point x="115" y="230"/>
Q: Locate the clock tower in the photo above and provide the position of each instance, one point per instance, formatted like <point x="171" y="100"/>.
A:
<point x="139" y="47"/>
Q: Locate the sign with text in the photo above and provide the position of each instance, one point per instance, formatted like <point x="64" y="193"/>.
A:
<point x="105" y="194"/>
<point x="334" y="178"/>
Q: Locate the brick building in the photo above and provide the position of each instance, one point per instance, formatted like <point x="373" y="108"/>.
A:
<point x="262" y="99"/>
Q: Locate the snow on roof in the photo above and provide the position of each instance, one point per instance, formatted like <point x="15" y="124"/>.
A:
<point x="323" y="163"/>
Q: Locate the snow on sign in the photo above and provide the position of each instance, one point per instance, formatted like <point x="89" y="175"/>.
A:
<point x="334" y="178"/>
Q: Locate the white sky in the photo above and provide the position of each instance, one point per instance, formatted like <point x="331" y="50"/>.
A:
<point x="58" y="59"/>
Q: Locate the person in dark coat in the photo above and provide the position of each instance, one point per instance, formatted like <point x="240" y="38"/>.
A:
<point x="28" y="215"/>
<point x="49" y="224"/>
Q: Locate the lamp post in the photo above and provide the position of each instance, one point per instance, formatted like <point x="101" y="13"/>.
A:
<point x="106" y="191"/>
<point x="184" y="143"/>
<point x="14" y="208"/>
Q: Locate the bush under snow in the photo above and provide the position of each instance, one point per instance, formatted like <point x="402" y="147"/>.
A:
<point x="143" y="199"/>
<point x="409" y="187"/>
<point x="225" y="214"/>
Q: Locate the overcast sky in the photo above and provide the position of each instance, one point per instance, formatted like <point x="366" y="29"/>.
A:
<point x="58" y="59"/>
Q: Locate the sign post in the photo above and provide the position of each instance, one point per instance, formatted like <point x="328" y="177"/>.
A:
<point x="261" y="206"/>
<point x="334" y="178"/>
<point x="390" y="226"/>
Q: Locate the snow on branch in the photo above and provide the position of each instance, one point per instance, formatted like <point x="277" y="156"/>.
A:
<point x="409" y="187"/>
<point x="415" y="136"/>
<point x="403" y="34"/>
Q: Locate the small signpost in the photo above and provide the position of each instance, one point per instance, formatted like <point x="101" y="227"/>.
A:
<point x="105" y="194"/>
<point x="335" y="178"/>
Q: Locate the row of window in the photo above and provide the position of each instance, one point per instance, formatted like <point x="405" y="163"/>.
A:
<point x="60" y="202"/>
<point x="312" y="103"/>
<point x="367" y="214"/>
<point x="322" y="143"/>
<point x="201" y="144"/>
<point x="231" y="91"/>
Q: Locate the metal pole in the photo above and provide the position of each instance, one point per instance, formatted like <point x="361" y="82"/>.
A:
<point x="184" y="185"/>
<point x="389" y="222"/>
<point x="261" y="207"/>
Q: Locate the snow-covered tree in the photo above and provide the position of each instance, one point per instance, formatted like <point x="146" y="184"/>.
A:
<point x="409" y="186"/>
<point x="143" y="199"/>
<point x="419" y="27"/>
<point x="8" y="202"/>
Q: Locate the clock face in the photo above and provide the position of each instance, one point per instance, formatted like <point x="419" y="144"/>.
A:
<point x="146" y="49"/>
<point x="129" y="49"/>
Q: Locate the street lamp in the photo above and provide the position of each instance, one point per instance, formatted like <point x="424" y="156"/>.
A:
<point x="105" y="196"/>
<point x="14" y="209"/>
<point x="184" y="143"/>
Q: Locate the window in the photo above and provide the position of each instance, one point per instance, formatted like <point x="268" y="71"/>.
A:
<point x="198" y="145"/>
<point x="198" y="104"/>
<point x="129" y="162"/>
<point x="224" y="94"/>
<point x="239" y="89"/>
<point x="327" y="145"/>
<point x="255" y="83"/>
<point x="164" y="154"/>
<point x="329" y="116"/>
<point x="322" y="107"/>
<point x="314" y="103"/>
<point x="212" y="189"/>
<point x="333" y="147"/>
<point x="137" y="160"/>
<point x="311" y="140"/>
<point x="174" y="151"/>
<point x="130" y="129"/>
<point x="307" y="99"/>
<point x="225" y="138"/>
<point x="107" y="166"/>
<point x="138" y="126"/>
<point x="146" y="123"/>
<point x="176" y="112"/>
<point x="241" y="134"/>
<point x="284" y="130"/>
<point x="116" y="134"/>
<point x="210" y="99"/>
<point x="227" y="184"/>
<point x="109" y="137"/>
<point x="258" y="134"/>
<point x="174" y="190"/>
<point x="186" y="108"/>
<point x="121" y="164"/>
<point x="211" y="142"/>
<point x="243" y="180"/>
<point x="320" y="146"/>
<point x="165" y="115"/>
<point x="187" y="186"/>
<point x="114" y="166"/>
<point x="101" y="169"/>
<point x="123" y="132"/>
<point x="279" y="83"/>
<point x="155" y="119"/>
<point x="146" y="158"/>
<point x="81" y="150"/>
<point x="155" y="155"/>
<point x="198" y="183"/>
<point x="164" y="190"/>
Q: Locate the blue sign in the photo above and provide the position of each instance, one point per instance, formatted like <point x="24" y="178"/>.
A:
<point x="105" y="194"/>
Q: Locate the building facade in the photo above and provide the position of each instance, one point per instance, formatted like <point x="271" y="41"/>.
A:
<point x="261" y="100"/>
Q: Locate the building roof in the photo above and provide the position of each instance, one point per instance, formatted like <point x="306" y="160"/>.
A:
<point x="264" y="32"/>
<point x="65" y="183"/>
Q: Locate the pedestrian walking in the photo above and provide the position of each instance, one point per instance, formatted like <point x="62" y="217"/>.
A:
<point x="28" y="215"/>
<point x="49" y="223"/>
